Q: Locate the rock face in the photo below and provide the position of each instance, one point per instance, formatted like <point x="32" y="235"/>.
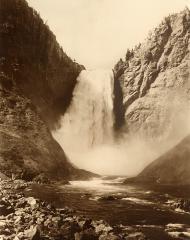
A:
<point x="155" y="82"/>
<point x="36" y="83"/>
<point x="172" y="167"/>
<point x="27" y="147"/>
<point x="32" y="57"/>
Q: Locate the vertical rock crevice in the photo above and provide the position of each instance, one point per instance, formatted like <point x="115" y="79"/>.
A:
<point x="118" y="108"/>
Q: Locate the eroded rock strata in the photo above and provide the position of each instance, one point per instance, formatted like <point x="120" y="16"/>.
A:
<point x="155" y="81"/>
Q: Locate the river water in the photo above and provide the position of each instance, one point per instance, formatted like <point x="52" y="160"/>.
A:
<point x="146" y="208"/>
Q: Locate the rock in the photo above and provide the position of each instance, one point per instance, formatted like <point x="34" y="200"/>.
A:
<point x="42" y="179"/>
<point x="22" y="203"/>
<point x="50" y="207"/>
<point x="6" y="232"/>
<point x="31" y="201"/>
<point x="154" y="83"/>
<point x="109" y="236"/>
<point x="18" y="219"/>
<point x="88" y="234"/>
<point x="16" y="238"/>
<point x="103" y="228"/>
<point x="67" y="231"/>
<point x="107" y="198"/>
<point x="20" y="235"/>
<point x="33" y="233"/>
<point x="154" y="88"/>
<point x="20" y="184"/>
<point x="87" y="224"/>
<point x="175" y="161"/>
<point x="70" y="228"/>
<point x="2" y="224"/>
<point x="183" y="204"/>
<point x="40" y="220"/>
<point x="5" y="208"/>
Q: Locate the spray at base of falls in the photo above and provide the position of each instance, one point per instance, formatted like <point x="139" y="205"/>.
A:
<point x="88" y="122"/>
<point x="86" y="133"/>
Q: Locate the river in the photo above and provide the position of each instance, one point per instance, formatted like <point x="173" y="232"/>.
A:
<point x="146" y="208"/>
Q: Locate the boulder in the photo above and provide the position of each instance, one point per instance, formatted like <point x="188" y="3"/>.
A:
<point x="33" y="233"/>
<point x="5" y="208"/>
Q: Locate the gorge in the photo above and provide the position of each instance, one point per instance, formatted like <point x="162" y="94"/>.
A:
<point x="93" y="154"/>
<point x="132" y="114"/>
<point x="91" y="121"/>
<point x="150" y="99"/>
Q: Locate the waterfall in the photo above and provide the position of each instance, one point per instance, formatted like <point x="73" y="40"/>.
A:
<point x="86" y="130"/>
<point x="88" y="122"/>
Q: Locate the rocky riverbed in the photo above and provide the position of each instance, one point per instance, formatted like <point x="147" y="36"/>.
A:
<point x="23" y="217"/>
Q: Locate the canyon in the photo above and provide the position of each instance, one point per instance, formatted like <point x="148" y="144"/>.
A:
<point x="145" y="106"/>
<point x="93" y="154"/>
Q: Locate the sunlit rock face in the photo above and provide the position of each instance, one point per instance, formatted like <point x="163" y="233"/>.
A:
<point x="155" y="81"/>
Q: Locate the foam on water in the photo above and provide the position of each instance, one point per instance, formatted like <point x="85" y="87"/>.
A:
<point x="99" y="185"/>
<point x="137" y="200"/>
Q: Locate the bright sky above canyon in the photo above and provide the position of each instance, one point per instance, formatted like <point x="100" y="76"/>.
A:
<point x="98" y="32"/>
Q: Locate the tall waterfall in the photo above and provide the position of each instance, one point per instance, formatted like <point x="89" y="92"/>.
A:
<point x="86" y="132"/>
<point x="88" y="122"/>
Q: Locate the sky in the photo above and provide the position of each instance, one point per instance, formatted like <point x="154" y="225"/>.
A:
<point x="96" y="33"/>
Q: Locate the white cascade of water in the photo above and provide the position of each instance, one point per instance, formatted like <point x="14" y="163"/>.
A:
<point x="86" y="130"/>
<point x="88" y="122"/>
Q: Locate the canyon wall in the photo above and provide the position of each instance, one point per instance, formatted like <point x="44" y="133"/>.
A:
<point x="31" y="56"/>
<point x="36" y="83"/>
<point x="155" y="82"/>
<point x="155" y="90"/>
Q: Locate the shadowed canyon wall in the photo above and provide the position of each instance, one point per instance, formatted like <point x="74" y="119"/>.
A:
<point x="36" y="83"/>
<point x="31" y="56"/>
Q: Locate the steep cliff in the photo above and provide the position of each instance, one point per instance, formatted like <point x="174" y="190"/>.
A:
<point x="172" y="167"/>
<point x="26" y="145"/>
<point x="155" y="81"/>
<point x="36" y="83"/>
<point x="155" y="84"/>
<point x="32" y="57"/>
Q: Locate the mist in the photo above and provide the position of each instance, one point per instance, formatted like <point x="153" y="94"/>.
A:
<point x="87" y="135"/>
